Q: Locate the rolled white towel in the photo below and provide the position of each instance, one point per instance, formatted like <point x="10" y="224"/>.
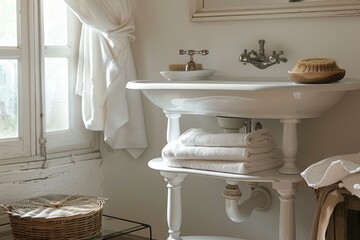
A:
<point x="226" y="166"/>
<point x="176" y="150"/>
<point x="200" y="137"/>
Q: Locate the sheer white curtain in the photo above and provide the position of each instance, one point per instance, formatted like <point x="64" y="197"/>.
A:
<point x="105" y="65"/>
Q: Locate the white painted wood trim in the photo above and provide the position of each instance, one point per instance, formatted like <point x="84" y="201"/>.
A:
<point x="32" y="172"/>
<point x="174" y="209"/>
<point x="20" y="146"/>
<point x="74" y="156"/>
<point x="287" y="224"/>
<point x="200" y="13"/>
<point x="289" y="146"/>
<point x="173" y="126"/>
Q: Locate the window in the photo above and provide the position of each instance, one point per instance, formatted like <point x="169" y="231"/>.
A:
<point x="38" y="59"/>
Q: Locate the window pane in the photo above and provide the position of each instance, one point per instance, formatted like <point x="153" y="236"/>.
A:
<point x="8" y="31"/>
<point x="56" y="94"/>
<point x="55" y="23"/>
<point x="9" y="127"/>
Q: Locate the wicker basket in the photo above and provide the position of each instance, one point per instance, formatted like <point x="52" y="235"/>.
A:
<point x="56" y="217"/>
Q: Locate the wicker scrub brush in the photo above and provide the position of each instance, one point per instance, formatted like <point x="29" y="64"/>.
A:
<point x="316" y="70"/>
<point x="181" y="67"/>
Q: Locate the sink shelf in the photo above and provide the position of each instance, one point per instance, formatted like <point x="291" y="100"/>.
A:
<point x="268" y="176"/>
<point x="285" y="185"/>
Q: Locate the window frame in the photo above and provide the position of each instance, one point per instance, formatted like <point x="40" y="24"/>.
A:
<point x="34" y="143"/>
<point x="21" y="146"/>
<point x="77" y="137"/>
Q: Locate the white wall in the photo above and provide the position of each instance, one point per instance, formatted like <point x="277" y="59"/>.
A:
<point x="163" y="27"/>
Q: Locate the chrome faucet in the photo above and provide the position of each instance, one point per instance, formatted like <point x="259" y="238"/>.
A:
<point x="259" y="59"/>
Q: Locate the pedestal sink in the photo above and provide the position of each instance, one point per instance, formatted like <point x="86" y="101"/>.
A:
<point x="247" y="98"/>
<point x="250" y="98"/>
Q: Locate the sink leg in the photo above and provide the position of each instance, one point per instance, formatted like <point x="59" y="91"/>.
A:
<point x="287" y="227"/>
<point x="173" y="126"/>
<point x="174" y="215"/>
<point x="289" y="146"/>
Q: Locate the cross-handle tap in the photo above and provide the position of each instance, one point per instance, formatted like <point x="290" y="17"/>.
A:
<point x="191" y="65"/>
<point x="275" y="57"/>
<point x="245" y="56"/>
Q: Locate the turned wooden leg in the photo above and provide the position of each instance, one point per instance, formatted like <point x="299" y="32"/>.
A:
<point x="174" y="216"/>
<point x="173" y="126"/>
<point x="287" y="227"/>
<point x="289" y="146"/>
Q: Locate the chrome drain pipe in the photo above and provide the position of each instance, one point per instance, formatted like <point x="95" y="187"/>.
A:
<point x="259" y="199"/>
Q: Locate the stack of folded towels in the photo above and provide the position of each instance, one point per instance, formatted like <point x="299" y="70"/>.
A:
<point x="223" y="152"/>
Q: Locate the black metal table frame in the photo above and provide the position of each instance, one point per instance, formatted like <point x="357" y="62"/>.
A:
<point x="140" y="226"/>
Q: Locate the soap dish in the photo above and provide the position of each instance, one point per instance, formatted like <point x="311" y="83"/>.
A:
<point x="188" y="75"/>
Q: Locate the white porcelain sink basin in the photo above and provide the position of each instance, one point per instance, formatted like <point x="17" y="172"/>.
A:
<point x="251" y="99"/>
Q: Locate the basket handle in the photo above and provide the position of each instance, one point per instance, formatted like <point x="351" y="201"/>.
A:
<point x="56" y="204"/>
<point x="5" y="208"/>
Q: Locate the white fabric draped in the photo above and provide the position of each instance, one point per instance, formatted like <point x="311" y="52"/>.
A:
<point x="105" y="65"/>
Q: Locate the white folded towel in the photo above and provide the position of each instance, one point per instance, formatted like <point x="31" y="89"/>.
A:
<point x="226" y="166"/>
<point x="199" y="137"/>
<point x="335" y="169"/>
<point x="176" y="150"/>
<point x="352" y="183"/>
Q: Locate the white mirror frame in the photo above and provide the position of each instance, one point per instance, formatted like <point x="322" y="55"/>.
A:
<point x="200" y="13"/>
